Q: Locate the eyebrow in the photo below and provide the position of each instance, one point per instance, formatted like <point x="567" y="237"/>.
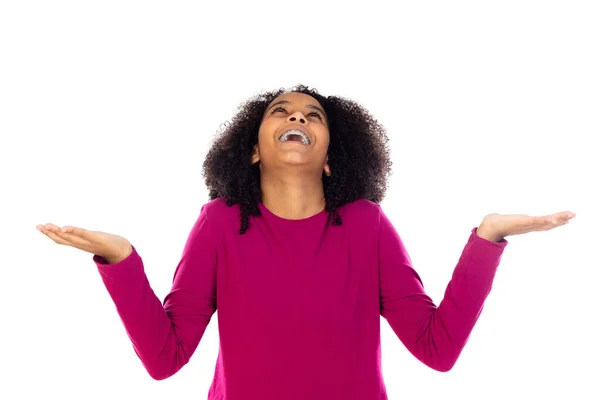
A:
<point x="312" y="107"/>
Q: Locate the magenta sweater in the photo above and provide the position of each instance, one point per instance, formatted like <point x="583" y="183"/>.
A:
<point x="299" y="303"/>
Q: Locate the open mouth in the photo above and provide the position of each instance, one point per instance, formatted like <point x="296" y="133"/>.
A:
<point x="295" y="136"/>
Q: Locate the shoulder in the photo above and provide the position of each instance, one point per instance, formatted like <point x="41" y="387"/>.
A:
<point x="360" y="208"/>
<point x="361" y="213"/>
<point x="218" y="212"/>
<point x="216" y="205"/>
<point x="216" y="218"/>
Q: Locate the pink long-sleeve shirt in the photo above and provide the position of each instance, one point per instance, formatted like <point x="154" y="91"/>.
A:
<point x="299" y="303"/>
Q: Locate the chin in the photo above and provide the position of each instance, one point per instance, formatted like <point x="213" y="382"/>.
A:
<point x="294" y="163"/>
<point x="294" y="158"/>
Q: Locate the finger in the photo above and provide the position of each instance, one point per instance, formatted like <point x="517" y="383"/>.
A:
<point x="74" y="240"/>
<point x="47" y="228"/>
<point x="562" y="214"/>
<point x="56" y="233"/>
<point x="51" y="227"/>
<point x="565" y="215"/>
<point x="80" y="232"/>
<point x="55" y="237"/>
<point x="555" y="220"/>
<point x="561" y="218"/>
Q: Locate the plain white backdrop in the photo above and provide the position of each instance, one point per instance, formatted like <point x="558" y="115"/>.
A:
<point x="107" y="110"/>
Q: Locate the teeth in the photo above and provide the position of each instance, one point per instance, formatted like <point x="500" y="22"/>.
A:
<point x="305" y="138"/>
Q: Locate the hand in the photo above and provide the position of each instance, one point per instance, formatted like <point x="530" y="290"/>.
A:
<point x="112" y="248"/>
<point x="495" y="227"/>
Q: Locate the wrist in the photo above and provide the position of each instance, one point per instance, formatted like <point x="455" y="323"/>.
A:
<point x="486" y="232"/>
<point x="119" y="256"/>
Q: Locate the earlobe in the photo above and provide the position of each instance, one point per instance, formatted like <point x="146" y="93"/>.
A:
<point x="255" y="156"/>
<point x="327" y="170"/>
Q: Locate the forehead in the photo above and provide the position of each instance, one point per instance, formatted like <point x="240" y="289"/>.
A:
<point x="299" y="99"/>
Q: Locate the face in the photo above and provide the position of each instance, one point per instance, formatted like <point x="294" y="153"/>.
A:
<point x="293" y="133"/>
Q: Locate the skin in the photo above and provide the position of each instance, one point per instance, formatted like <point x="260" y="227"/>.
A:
<point x="291" y="182"/>
<point x="291" y="172"/>
<point x="115" y="249"/>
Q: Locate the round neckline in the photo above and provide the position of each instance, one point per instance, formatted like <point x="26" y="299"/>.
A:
<point x="269" y="214"/>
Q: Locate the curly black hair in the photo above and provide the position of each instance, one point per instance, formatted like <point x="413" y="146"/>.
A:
<point x="358" y="155"/>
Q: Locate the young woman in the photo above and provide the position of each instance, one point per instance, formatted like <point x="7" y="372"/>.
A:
<point x="300" y="260"/>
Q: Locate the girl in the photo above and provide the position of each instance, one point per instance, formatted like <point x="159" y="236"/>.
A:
<point x="300" y="260"/>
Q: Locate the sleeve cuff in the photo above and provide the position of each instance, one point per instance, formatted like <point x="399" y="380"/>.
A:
<point x="101" y="262"/>
<point x="485" y="252"/>
<point x="481" y="241"/>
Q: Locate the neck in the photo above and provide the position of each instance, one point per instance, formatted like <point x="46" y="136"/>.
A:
<point x="292" y="196"/>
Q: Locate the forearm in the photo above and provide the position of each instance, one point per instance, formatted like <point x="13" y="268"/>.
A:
<point x="454" y="319"/>
<point x="437" y="335"/>
<point x="145" y="320"/>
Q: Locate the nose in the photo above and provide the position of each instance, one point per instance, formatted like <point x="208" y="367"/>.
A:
<point x="297" y="116"/>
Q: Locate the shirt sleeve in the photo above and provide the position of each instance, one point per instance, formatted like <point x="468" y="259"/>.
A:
<point x="164" y="336"/>
<point x="434" y="334"/>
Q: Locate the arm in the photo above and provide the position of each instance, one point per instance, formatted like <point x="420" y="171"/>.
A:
<point x="434" y="334"/>
<point x="165" y="337"/>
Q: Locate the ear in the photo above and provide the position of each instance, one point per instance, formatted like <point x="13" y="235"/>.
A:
<point x="255" y="155"/>
<point x="326" y="168"/>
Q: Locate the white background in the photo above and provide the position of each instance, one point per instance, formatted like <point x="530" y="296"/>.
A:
<point x="107" y="110"/>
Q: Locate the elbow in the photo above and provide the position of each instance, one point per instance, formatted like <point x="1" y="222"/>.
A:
<point x="440" y="362"/>
<point x="156" y="370"/>
<point x="159" y="375"/>
<point x="162" y="368"/>
<point x="443" y="364"/>
<point x="161" y="371"/>
<point x="443" y="367"/>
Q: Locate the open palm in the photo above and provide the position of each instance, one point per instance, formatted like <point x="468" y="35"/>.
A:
<point x="502" y="225"/>
<point x="113" y="248"/>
